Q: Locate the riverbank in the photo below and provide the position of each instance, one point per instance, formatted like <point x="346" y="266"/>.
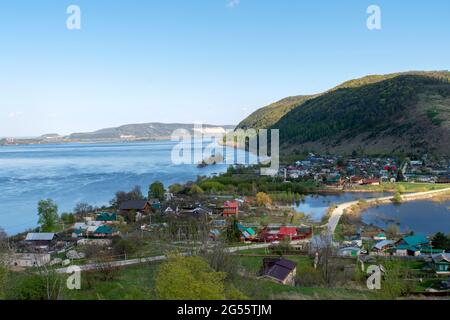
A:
<point x="403" y="187"/>
<point x="357" y="207"/>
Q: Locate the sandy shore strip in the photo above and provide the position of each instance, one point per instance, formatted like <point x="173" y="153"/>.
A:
<point x="337" y="213"/>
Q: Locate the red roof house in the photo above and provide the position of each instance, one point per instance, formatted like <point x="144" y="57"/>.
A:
<point x="371" y="182"/>
<point x="231" y="208"/>
<point x="287" y="232"/>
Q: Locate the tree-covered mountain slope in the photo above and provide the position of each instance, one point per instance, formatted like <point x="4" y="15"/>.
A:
<point x="271" y="114"/>
<point x="403" y="113"/>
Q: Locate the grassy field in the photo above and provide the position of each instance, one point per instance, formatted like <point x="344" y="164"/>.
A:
<point x="138" y="282"/>
<point x="268" y="290"/>
<point x="132" y="283"/>
<point x="404" y="187"/>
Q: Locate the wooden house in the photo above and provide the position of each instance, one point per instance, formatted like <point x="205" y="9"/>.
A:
<point x="279" y="270"/>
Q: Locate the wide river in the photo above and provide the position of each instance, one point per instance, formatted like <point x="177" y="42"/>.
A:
<point x="72" y="173"/>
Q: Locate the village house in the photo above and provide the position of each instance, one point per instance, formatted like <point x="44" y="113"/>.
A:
<point x="196" y="213"/>
<point x="142" y="206"/>
<point x="231" y="208"/>
<point x="29" y="260"/>
<point x="218" y="223"/>
<point x="441" y="263"/>
<point x="248" y="234"/>
<point x="83" y="229"/>
<point x="279" y="233"/>
<point x="155" y="204"/>
<point x="279" y="270"/>
<point x="356" y="180"/>
<point x="105" y="231"/>
<point x="40" y="240"/>
<point x="107" y="217"/>
<point x="380" y="236"/>
<point x="411" y="245"/>
<point x="97" y="229"/>
<point x="371" y="181"/>
<point x="383" y="246"/>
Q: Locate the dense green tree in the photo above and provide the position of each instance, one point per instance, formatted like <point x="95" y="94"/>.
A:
<point x="233" y="233"/>
<point x="176" y="188"/>
<point x="393" y="230"/>
<point x="441" y="241"/>
<point x="397" y="199"/>
<point x="124" y="247"/>
<point x="68" y="218"/>
<point x="48" y="215"/>
<point x="156" y="190"/>
<point x="35" y="286"/>
<point x="189" y="278"/>
<point x="122" y="196"/>
<point x="212" y="186"/>
<point x="195" y="190"/>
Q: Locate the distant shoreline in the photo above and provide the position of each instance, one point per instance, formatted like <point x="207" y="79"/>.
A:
<point x="83" y="142"/>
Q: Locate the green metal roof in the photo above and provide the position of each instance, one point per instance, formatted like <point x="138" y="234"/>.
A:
<point x="105" y="216"/>
<point x="415" y="240"/>
<point x="104" y="230"/>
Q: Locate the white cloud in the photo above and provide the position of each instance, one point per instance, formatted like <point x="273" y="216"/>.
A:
<point x="233" y="3"/>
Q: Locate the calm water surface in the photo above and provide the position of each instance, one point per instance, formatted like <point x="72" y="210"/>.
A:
<point x="72" y="173"/>
<point x="424" y="216"/>
<point x="316" y="206"/>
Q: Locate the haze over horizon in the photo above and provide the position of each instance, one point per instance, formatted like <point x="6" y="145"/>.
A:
<point x="196" y="61"/>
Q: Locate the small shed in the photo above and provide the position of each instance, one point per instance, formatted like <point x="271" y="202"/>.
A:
<point x="30" y="260"/>
<point x="40" y="239"/>
<point x="280" y="270"/>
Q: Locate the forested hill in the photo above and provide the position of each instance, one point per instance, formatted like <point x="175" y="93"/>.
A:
<point x="403" y="113"/>
<point x="265" y="117"/>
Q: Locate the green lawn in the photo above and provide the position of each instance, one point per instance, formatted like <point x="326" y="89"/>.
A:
<point x="268" y="290"/>
<point x="138" y="283"/>
<point x="406" y="187"/>
<point x="132" y="283"/>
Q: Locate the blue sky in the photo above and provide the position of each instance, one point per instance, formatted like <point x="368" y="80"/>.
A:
<point x="197" y="60"/>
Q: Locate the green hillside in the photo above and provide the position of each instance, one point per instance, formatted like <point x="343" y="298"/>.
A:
<point x="271" y="114"/>
<point x="402" y="113"/>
